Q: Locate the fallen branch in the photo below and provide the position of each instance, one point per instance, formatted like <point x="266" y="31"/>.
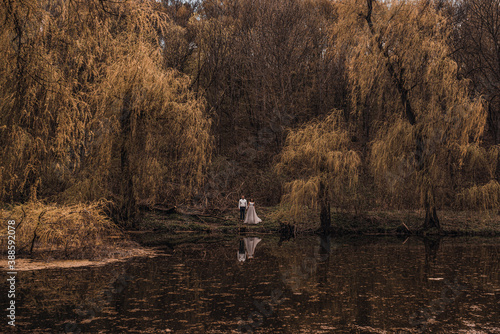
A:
<point x="156" y="208"/>
<point x="406" y="227"/>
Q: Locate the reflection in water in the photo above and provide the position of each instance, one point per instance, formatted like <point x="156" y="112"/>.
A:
<point x="246" y="248"/>
<point x="325" y="247"/>
<point x="323" y="284"/>
<point x="241" y="251"/>
<point x="431" y="250"/>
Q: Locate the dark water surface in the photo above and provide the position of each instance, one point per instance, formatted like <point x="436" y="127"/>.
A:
<point x="306" y="285"/>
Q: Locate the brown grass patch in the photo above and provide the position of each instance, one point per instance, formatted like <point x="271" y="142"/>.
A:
<point x="74" y="231"/>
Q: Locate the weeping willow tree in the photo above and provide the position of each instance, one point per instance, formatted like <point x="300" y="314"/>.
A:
<point x="322" y="168"/>
<point x="158" y="147"/>
<point x="425" y="125"/>
<point x="40" y="121"/>
<point x="88" y="109"/>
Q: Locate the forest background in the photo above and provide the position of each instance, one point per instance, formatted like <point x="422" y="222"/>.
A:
<point x="350" y="105"/>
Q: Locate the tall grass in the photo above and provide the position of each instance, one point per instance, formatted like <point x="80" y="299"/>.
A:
<point x="75" y="231"/>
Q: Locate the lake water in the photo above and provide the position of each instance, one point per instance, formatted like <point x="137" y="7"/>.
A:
<point x="259" y="284"/>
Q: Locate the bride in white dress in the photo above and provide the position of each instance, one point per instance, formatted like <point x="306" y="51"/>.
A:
<point x="247" y="248"/>
<point x="251" y="217"/>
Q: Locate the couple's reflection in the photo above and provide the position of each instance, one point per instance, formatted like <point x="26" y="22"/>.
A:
<point x="246" y="248"/>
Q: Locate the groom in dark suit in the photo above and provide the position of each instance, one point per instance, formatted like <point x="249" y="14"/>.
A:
<point x="243" y="206"/>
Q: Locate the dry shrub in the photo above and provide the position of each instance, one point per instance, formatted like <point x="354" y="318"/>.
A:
<point x="222" y="186"/>
<point x="75" y="231"/>
<point x="227" y="180"/>
<point x="482" y="197"/>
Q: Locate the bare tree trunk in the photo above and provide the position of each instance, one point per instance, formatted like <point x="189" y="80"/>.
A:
<point x="128" y="207"/>
<point x="324" y="215"/>
<point x="431" y="218"/>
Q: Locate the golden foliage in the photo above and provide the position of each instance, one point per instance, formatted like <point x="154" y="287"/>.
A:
<point x="87" y="103"/>
<point x="483" y="197"/>
<point x="78" y="230"/>
<point x="423" y="116"/>
<point x="315" y="156"/>
<point x="168" y="139"/>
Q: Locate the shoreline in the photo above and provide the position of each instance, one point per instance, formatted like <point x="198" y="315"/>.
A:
<point x="26" y="263"/>
<point x="368" y="223"/>
<point x="168" y="230"/>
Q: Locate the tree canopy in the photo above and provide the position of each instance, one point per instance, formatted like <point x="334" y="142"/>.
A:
<point x="424" y="121"/>
<point x="90" y="111"/>
<point x="355" y="104"/>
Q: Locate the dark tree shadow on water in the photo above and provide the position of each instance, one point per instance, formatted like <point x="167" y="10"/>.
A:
<point x="432" y="245"/>
<point x="325" y="247"/>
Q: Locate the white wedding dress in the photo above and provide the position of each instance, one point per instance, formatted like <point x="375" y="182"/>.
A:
<point x="247" y="248"/>
<point x="250" y="244"/>
<point x="251" y="216"/>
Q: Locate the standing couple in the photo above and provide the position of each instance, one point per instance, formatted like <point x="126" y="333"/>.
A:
<point x="249" y="207"/>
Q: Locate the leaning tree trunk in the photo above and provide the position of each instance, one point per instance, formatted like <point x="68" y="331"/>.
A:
<point x="431" y="219"/>
<point x="324" y="215"/>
